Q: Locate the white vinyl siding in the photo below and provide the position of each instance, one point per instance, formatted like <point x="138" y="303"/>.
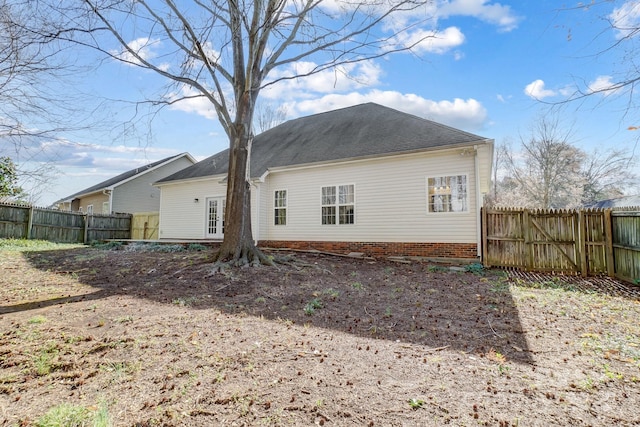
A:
<point x="181" y="217"/>
<point x="183" y="208"/>
<point x="391" y="201"/>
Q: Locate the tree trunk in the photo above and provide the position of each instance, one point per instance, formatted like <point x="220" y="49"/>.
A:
<point x="238" y="247"/>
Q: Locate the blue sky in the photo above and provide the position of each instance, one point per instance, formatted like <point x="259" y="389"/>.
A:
<point x="492" y="69"/>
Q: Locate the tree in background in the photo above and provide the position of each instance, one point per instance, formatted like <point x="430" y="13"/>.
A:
<point x="227" y="51"/>
<point x="548" y="171"/>
<point x="9" y="189"/>
<point x="36" y="104"/>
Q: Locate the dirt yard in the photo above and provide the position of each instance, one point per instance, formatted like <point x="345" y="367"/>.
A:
<point x="152" y="339"/>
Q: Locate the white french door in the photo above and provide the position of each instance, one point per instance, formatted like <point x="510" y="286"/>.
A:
<point x="215" y="217"/>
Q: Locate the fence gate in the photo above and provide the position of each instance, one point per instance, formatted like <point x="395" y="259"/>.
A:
<point x="559" y="241"/>
<point x="145" y="225"/>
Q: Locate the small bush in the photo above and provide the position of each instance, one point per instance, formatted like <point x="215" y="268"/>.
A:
<point x="65" y="415"/>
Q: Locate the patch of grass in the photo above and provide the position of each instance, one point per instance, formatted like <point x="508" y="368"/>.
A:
<point x="185" y="302"/>
<point x="357" y="285"/>
<point x="416" y="403"/>
<point x="437" y="269"/>
<point x="24" y="245"/>
<point x="67" y="415"/>
<point x="312" y="306"/>
<point x="43" y="362"/>
<point x="37" y="319"/>
<point x="331" y="293"/>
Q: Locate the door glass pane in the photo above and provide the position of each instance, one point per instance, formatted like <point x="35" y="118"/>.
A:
<point x="213" y="217"/>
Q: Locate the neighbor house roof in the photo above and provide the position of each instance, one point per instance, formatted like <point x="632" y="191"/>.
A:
<point x="361" y="131"/>
<point x="619" y="202"/>
<point x="124" y="177"/>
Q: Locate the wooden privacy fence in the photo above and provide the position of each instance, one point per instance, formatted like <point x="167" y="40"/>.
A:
<point x="586" y="242"/>
<point x="29" y="222"/>
<point x="145" y="225"/>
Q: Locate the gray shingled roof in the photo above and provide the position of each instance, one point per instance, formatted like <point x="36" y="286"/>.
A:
<point x="117" y="179"/>
<point x="620" y="202"/>
<point x="360" y="131"/>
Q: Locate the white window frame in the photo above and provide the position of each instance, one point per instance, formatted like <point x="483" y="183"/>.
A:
<point x="336" y="204"/>
<point x="107" y="210"/>
<point x="280" y="207"/>
<point x="89" y="209"/>
<point x="444" y="189"/>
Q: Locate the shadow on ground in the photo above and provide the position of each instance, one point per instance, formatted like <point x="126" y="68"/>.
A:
<point x="414" y="303"/>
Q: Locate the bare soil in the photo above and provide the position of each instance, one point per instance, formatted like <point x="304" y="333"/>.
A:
<point x="158" y="341"/>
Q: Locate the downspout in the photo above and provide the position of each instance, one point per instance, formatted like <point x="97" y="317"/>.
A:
<point x="478" y="203"/>
<point x="109" y="192"/>
<point x="256" y="238"/>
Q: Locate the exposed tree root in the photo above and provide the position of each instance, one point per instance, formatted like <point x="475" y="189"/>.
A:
<point x="254" y="257"/>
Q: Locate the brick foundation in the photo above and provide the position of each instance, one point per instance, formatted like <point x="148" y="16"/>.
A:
<point x="381" y="249"/>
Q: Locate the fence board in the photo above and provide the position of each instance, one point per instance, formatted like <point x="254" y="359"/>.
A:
<point x="626" y="244"/>
<point x="559" y="241"/>
<point x="145" y="225"/>
<point x="29" y="222"/>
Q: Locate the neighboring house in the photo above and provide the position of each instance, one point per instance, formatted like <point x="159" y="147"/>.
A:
<point x="618" y="202"/>
<point x="360" y="179"/>
<point x="129" y="192"/>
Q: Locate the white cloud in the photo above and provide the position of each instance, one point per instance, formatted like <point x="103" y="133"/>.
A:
<point x="464" y="114"/>
<point x="536" y="90"/>
<point x="626" y="19"/>
<point x="145" y="48"/>
<point x="430" y="41"/>
<point x="603" y="85"/>
<point x="494" y="13"/>
<point x="346" y="78"/>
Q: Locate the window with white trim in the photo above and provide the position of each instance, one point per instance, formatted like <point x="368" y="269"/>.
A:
<point x="105" y="208"/>
<point x="89" y="209"/>
<point x="447" y="194"/>
<point x="280" y="207"/>
<point x="338" y="204"/>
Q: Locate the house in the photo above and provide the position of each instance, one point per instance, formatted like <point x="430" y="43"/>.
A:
<point x="365" y="179"/>
<point x="129" y="192"/>
<point x="619" y="202"/>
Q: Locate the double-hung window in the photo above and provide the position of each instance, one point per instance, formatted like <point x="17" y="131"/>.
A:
<point x="338" y="204"/>
<point x="447" y="194"/>
<point x="280" y="207"/>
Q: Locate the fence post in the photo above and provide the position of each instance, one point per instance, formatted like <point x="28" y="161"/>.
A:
<point x="483" y="224"/>
<point x="86" y="228"/>
<point x="581" y="243"/>
<point x="29" y="223"/>
<point x="608" y="243"/>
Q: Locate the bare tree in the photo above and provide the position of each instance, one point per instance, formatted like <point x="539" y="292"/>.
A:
<point x="226" y="51"/>
<point x="35" y="103"/>
<point x="548" y="171"/>
<point x="607" y="175"/>
<point x="617" y="24"/>
<point x="268" y="116"/>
